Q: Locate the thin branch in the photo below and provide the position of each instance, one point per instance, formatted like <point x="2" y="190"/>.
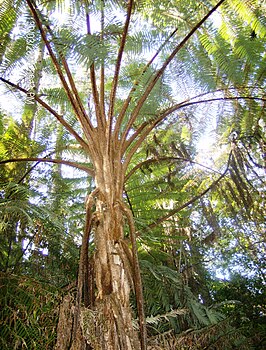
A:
<point x="160" y="72"/>
<point x="138" y="143"/>
<point x="37" y="163"/>
<point x="102" y="72"/>
<point x="95" y="93"/>
<point x="33" y="167"/>
<point x="227" y="89"/>
<point x="60" y="73"/>
<point x="192" y="200"/>
<point x="85" y="121"/>
<point x="186" y="103"/>
<point x="129" y="202"/>
<point x="144" y="130"/>
<point x="191" y="103"/>
<point x="136" y="83"/>
<point x="79" y="139"/>
<point x="117" y="67"/>
<point x="46" y="160"/>
<point x="166" y="159"/>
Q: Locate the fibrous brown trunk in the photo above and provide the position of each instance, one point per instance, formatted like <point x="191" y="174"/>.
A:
<point x="107" y="322"/>
<point x="113" y="266"/>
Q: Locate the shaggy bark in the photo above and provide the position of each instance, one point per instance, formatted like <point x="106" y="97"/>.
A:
<point x="113" y="263"/>
<point x="105" y="321"/>
<point x="64" y="327"/>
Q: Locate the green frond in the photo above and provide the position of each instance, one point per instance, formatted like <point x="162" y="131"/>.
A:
<point x="57" y="97"/>
<point x="245" y="11"/>
<point x="90" y="49"/>
<point x="29" y="311"/>
<point x="166" y="294"/>
<point x="22" y="45"/>
<point x="8" y="15"/>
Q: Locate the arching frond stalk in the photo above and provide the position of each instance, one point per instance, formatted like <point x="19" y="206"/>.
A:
<point x="79" y="139"/>
<point x="95" y="93"/>
<point x="117" y="69"/>
<point x="47" y="160"/>
<point x="192" y="200"/>
<point x="144" y="130"/>
<point x="135" y="84"/>
<point x="160" y="72"/>
<point x="72" y="95"/>
<point x="165" y="159"/>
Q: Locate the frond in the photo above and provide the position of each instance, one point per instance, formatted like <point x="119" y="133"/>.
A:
<point x="166" y="294"/>
<point x="22" y="44"/>
<point x="90" y="49"/>
<point x="8" y="15"/>
<point x="172" y="313"/>
<point x="29" y="311"/>
<point x="245" y="9"/>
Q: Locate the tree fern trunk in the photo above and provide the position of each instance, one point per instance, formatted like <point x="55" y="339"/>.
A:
<point x="107" y="324"/>
<point x="113" y="268"/>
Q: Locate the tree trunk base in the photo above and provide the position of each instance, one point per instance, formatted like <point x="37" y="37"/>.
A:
<point x="99" y="329"/>
<point x="109" y="327"/>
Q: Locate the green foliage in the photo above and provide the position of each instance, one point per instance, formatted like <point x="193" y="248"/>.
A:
<point x="243" y="299"/>
<point x="9" y="13"/>
<point x="170" y="304"/>
<point x="29" y="310"/>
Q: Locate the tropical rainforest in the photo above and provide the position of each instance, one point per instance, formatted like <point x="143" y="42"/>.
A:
<point x="132" y="174"/>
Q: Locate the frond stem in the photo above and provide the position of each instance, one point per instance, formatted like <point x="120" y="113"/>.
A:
<point x="166" y="159"/>
<point x="79" y="139"/>
<point x="86" y="121"/>
<point x="143" y="131"/>
<point x="74" y="103"/>
<point x="102" y="73"/>
<point x="117" y="69"/>
<point x="191" y="103"/>
<point x="95" y="93"/>
<point x="136" y="83"/>
<point x="160" y="72"/>
<point x="47" y="160"/>
<point x="192" y="200"/>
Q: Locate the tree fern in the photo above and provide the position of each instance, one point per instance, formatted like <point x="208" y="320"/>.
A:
<point x="132" y="124"/>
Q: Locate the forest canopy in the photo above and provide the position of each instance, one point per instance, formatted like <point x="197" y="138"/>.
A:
<point x="132" y="174"/>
